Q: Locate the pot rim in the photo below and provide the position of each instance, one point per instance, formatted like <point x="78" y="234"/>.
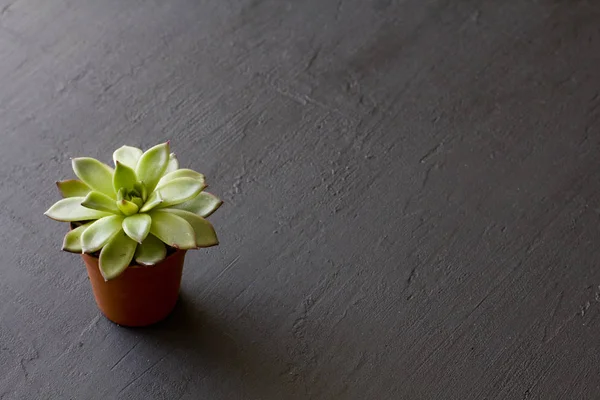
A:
<point x="135" y="265"/>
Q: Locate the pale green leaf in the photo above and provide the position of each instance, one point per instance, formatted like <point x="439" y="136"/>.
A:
<point x="100" y="202"/>
<point x="124" y="177"/>
<point x="127" y="155"/>
<point x="73" y="188"/>
<point x="70" y="210"/>
<point x="173" y="230"/>
<point x="95" y="174"/>
<point x="137" y="201"/>
<point x="141" y="189"/>
<point x="116" y="256"/>
<point x="152" y="165"/>
<point x="205" y="233"/>
<point x="176" y="191"/>
<point x="173" y="164"/>
<point x="152" y="202"/>
<point x="151" y="251"/>
<point x="72" y="241"/>
<point x="204" y="204"/>
<point x="137" y="226"/>
<point x="100" y="232"/>
<point x="127" y="207"/>
<point x="181" y="173"/>
<point x="121" y="193"/>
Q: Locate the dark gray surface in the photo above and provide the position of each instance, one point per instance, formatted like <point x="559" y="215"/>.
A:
<point x="412" y="196"/>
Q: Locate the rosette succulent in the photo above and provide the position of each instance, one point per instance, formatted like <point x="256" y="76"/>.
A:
<point x="137" y="212"/>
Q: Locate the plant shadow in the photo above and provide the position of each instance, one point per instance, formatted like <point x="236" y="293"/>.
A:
<point x="230" y="353"/>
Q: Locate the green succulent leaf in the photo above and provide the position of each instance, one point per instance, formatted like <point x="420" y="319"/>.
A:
<point x="137" y="226"/>
<point x="127" y="155"/>
<point x="141" y="189"/>
<point x="205" y="233"/>
<point x="173" y="164"/>
<point x="127" y="207"/>
<point x="204" y="204"/>
<point x="175" y="192"/>
<point x="152" y="165"/>
<point x="181" y="173"/>
<point x="151" y="251"/>
<point x="154" y="200"/>
<point x="121" y="194"/>
<point x="124" y="177"/>
<point x="95" y="174"/>
<point x="70" y="209"/>
<point x="72" y="241"/>
<point x="100" y="202"/>
<point x="100" y="232"/>
<point x="116" y="256"/>
<point x="73" y="188"/>
<point x="172" y="229"/>
<point x="137" y="201"/>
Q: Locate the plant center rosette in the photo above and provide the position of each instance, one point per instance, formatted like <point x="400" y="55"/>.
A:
<point x="135" y="212"/>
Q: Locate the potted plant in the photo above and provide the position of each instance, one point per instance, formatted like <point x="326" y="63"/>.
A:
<point x="133" y="225"/>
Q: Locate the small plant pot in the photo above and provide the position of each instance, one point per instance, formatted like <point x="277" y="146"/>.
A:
<point x="141" y="296"/>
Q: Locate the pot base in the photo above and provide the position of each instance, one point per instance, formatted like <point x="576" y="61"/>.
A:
<point x="140" y="296"/>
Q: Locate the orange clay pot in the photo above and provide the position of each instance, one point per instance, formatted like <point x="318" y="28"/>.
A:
<point x="140" y="296"/>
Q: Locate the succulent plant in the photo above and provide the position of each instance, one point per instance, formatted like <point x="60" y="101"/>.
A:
<point x="135" y="212"/>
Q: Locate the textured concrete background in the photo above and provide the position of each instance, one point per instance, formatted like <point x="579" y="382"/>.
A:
<point x="412" y="196"/>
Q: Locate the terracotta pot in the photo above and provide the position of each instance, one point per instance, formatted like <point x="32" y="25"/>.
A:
<point x="140" y="296"/>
